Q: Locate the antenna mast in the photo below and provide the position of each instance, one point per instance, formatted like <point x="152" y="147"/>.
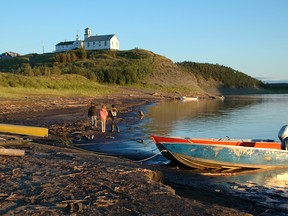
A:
<point x="43" y="46"/>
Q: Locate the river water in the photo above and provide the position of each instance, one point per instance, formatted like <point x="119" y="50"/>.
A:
<point x="253" y="116"/>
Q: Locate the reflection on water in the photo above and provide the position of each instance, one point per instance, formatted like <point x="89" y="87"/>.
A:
<point x="267" y="187"/>
<point x="275" y="178"/>
<point x="251" y="117"/>
<point x="266" y="178"/>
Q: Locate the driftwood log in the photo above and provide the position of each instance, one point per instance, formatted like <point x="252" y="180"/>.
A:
<point x="13" y="142"/>
<point x="12" y="152"/>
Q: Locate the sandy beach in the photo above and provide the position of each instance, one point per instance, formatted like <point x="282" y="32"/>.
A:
<point x="55" y="178"/>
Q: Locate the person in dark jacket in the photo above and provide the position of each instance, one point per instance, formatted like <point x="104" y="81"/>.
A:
<point x="92" y="113"/>
<point x="113" y="114"/>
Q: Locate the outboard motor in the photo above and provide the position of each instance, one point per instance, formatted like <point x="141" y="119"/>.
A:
<point x="283" y="136"/>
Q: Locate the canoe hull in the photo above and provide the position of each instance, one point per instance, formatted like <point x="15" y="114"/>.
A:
<point x="222" y="156"/>
<point x="219" y="157"/>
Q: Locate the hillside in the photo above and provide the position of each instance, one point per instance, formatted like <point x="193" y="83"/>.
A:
<point x="137" y="67"/>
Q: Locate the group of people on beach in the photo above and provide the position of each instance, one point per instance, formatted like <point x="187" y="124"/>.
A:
<point x="93" y="114"/>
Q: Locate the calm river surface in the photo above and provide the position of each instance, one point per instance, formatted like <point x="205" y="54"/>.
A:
<point x="259" y="116"/>
<point x="253" y="116"/>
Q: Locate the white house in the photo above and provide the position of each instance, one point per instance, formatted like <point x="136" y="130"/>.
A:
<point x="98" y="42"/>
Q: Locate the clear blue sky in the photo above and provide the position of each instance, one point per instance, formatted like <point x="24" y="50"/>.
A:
<point x="250" y="36"/>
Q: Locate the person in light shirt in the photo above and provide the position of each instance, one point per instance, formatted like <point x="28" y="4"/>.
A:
<point x="103" y="117"/>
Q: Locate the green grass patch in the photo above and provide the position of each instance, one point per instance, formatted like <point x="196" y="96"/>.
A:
<point x="15" y="86"/>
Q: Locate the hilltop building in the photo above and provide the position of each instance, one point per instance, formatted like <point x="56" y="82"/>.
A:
<point x="97" y="42"/>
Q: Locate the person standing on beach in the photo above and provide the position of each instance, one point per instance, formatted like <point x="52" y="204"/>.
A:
<point x="113" y="113"/>
<point x="103" y="116"/>
<point x="92" y="114"/>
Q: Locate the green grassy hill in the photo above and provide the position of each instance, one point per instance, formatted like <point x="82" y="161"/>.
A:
<point x="132" y="67"/>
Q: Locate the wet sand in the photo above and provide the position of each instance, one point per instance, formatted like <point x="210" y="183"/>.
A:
<point x="55" y="178"/>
